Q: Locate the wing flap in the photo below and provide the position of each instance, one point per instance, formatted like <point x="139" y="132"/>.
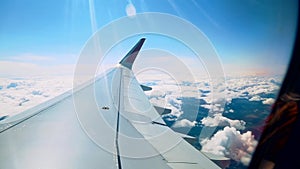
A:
<point x="162" y="111"/>
<point x="146" y="88"/>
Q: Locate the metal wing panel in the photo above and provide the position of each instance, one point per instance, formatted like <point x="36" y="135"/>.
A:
<point x="135" y="150"/>
<point x="51" y="139"/>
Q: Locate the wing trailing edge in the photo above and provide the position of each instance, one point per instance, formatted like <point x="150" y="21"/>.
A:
<point x="130" y="57"/>
<point x="162" y="110"/>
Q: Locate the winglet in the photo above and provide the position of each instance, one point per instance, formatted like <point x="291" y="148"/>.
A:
<point x="128" y="60"/>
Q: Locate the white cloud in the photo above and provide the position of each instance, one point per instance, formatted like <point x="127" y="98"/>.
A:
<point x="251" y="87"/>
<point x="184" y="123"/>
<point x="219" y="120"/>
<point x="268" y="101"/>
<point x="255" y="98"/>
<point x="130" y="10"/>
<point x="231" y="143"/>
<point x="17" y="95"/>
<point x="207" y="106"/>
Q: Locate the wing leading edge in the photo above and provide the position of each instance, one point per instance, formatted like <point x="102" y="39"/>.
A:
<point x="137" y="137"/>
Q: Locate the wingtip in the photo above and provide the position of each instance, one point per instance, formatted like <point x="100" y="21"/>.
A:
<point x="130" y="57"/>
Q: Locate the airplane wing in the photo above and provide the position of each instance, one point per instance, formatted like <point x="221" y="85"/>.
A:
<point x="121" y="131"/>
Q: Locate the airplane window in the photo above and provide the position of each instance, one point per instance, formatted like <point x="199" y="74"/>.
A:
<point x="213" y="69"/>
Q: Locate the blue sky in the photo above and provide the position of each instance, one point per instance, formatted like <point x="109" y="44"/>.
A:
<point x="252" y="35"/>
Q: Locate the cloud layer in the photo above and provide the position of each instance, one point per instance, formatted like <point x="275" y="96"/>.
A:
<point x="17" y="95"/>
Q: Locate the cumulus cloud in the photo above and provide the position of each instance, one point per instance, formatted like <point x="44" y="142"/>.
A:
<point x="130" y="10"/>
<point x="255" y="98"/>
<point x="184" y="123"/>
<point x="231" y="143"/>
<point x="219" y="120"/>
<point x="268" y="101"/>
<point x="217" y="108"/>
